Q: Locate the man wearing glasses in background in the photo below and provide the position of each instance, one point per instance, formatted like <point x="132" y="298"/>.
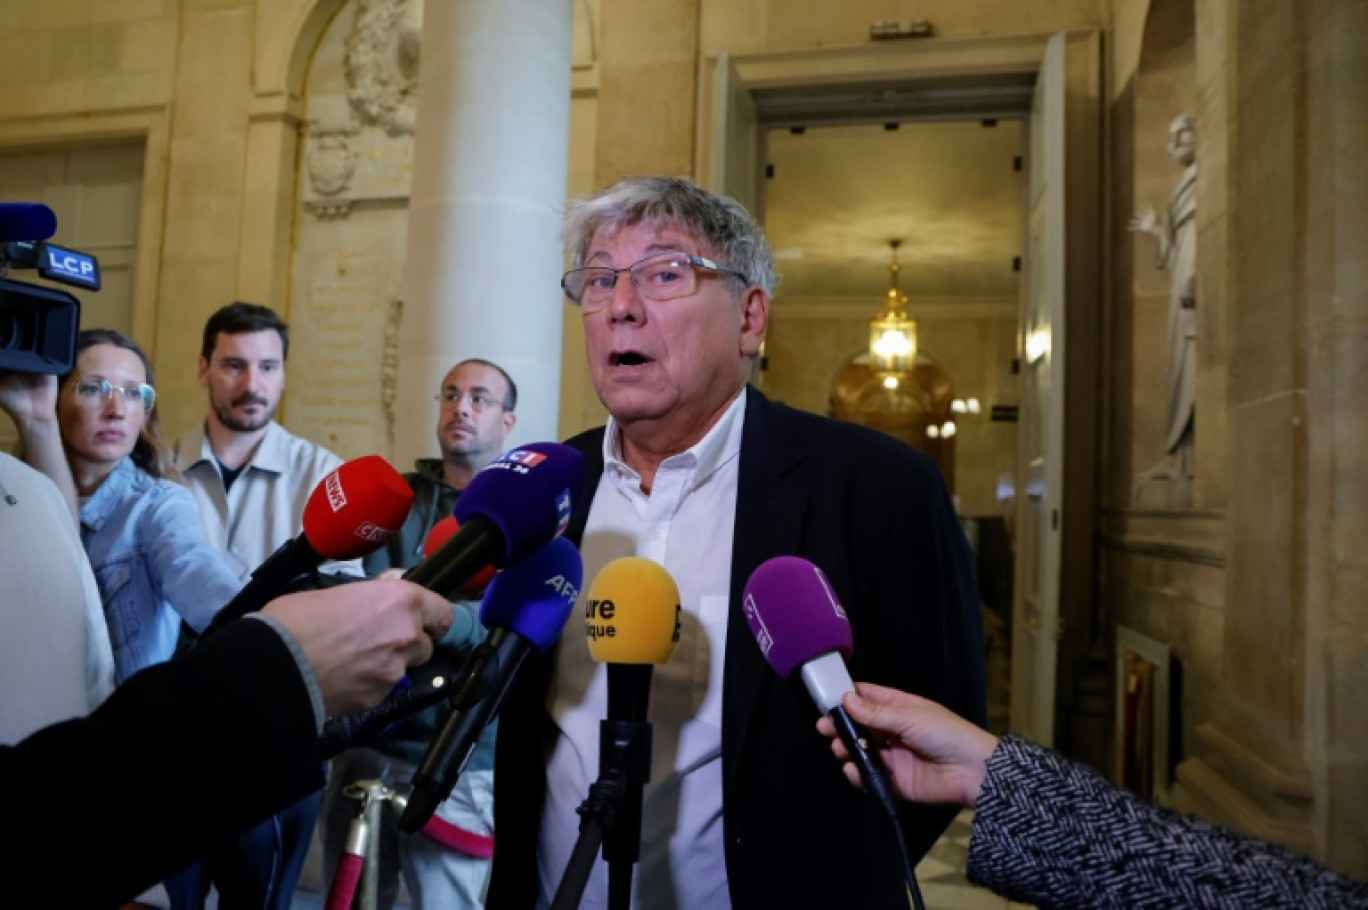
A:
<point x="700" y="472"/>
<point x="448" y="864"/>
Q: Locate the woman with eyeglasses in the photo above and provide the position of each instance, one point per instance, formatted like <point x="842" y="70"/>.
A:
<point x="141" y="529"/>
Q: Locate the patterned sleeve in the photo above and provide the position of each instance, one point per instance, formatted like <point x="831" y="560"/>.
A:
<point x="1052" y="833"/>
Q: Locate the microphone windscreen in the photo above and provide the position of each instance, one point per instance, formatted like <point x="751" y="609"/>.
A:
<point x="528" y="494"/>
<point x="794" y="614"/>
<point x="20" y="221"/>
<point x="534" y="596"/>
<point x="440" y="533"/>
<point x="443" y="531"/>
<point x="356" y="508"/>
<point x="632" y="613"/>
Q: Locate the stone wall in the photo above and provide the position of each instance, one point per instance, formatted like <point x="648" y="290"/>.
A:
<point x="1163" y="566"/>
<point x="1256" y="587"/>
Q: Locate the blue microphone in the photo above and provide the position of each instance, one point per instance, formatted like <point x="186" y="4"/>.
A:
<point x="525" y="609"/>
<point x="26" y="221"/>
<point x="515" y="505"/>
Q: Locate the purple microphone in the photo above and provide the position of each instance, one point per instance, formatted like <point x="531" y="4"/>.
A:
<point x="799" y="624"/>
<point x="514" y="506"/>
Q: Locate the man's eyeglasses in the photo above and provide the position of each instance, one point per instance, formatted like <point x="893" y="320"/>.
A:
<point x="93" y="393"/>
<point x="664" y="277"/>
<point x="451" y="398"/>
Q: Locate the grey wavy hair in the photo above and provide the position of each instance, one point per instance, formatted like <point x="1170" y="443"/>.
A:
<point x="721" y="225"/>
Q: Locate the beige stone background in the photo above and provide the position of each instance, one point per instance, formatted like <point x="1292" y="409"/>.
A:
<point x="1260" y="589"/>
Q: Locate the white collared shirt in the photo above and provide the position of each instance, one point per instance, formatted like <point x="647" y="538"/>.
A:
<point x="685" y="524"/>
<point x="265" y="506"/>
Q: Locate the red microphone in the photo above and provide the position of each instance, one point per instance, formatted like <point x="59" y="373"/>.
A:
<point x="443" y="531"/>
<point x="353" y="511"/>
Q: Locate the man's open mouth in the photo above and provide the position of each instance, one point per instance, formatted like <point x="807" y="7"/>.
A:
<point x="627" y="359"/>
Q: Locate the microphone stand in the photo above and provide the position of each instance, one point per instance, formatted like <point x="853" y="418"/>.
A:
<point x="485" y="679"/>
<point x="611" y="815"/>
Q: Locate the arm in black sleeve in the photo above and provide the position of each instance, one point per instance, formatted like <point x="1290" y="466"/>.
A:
<point x="1052" y="833"/>
<point x="181" y="754"/>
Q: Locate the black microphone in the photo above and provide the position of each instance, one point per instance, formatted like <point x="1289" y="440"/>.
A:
<point x="352" y="512"/>
<point x="21" y="221"/>
<point x="346" y="731"/>
<point x="525" y="609"/>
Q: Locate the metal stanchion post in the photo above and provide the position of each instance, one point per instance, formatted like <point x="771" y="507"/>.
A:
<point x="361" y="857"/>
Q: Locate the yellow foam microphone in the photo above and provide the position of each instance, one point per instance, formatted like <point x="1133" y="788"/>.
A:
<point x="631" y="614"/>
<point x="632" y="619"/>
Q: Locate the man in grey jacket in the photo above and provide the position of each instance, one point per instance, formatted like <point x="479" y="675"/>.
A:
<point x="447" y="865"/>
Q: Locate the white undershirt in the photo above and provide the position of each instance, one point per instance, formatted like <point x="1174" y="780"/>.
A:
<point x="686" y="525"/>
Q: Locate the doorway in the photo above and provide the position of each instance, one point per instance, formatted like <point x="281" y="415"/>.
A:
<point x="1051" y="87"/>
<point x="834" y="194"/>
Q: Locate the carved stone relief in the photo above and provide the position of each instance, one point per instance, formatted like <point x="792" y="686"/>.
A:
<point x="359" y="144"/>
<point x="389" y="363"/>
<point x="331" y="160"/>
<point x="382" y="52"/>
<point x="355" y="172"/>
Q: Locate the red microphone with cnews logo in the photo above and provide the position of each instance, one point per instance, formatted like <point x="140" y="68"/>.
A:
<point x="352" y="512"/>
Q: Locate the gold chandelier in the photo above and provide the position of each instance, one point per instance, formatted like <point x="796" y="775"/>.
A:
<point x="892" y="333"/>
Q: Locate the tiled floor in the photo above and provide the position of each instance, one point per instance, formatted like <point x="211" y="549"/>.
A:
<point x="940" y="875"/>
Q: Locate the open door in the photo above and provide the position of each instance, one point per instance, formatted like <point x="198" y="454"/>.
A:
<point x="1057" y="349"/>
<point x="1035" y="620"/>
<point x="729" y="159"/>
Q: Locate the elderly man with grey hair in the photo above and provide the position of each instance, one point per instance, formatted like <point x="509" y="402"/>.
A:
<point x="700" y="472"/>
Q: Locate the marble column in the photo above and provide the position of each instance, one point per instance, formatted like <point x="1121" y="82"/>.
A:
<point x="489" y="183"/>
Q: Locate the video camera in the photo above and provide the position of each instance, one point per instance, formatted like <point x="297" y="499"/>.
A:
<point x="38" y="325"/>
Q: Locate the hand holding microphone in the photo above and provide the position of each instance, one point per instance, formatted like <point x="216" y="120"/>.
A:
<point x="935" y="755"/>
<point x="800" y="625"/>
<point x="516" y="504"/>
<point x="359" y="638"/>
<point x="353" y="511"/>
<point x="417" y="692"/>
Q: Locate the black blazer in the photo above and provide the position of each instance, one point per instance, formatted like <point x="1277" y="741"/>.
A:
<point x="181" y="755"/>
<point x="874" y="515"/>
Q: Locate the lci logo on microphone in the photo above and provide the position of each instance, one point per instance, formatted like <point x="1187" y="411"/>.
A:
<point x="520" y="461"/>
<point x="526" y="457"/>
<point x="337" y="497"/>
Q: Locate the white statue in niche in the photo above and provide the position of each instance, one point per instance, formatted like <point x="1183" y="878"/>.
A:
<point x="1176" y="235"/>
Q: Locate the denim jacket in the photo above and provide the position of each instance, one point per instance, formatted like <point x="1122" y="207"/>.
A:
<point x="152" y="564"/>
